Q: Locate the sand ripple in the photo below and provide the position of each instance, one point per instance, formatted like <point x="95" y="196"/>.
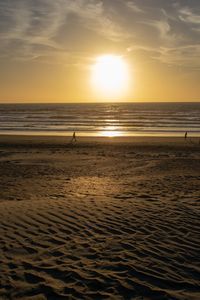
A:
<point x="97" y="248"/>
<point x="102" y="235"/>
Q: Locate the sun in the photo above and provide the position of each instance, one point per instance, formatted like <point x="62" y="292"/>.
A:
<point x="110" y="76"/>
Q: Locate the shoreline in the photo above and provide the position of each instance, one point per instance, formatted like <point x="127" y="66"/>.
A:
<point x="48" y="141"/>
<point x="105" y="133"/>
<point x="132" y="138"/>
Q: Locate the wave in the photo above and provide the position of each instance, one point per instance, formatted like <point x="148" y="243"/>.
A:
<point x="126" y="118"/>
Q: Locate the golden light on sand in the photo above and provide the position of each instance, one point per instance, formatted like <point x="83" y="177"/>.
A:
<point x="110" y="76"/>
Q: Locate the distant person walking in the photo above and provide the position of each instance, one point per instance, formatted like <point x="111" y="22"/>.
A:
<point x="73" y="137"/>
<point x="186" y="135"/>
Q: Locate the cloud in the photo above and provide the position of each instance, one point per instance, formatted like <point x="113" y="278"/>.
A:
<point x="163" y="28"/>
<point x="186" y="15"/>
<point x="26" y="24"/>
<point x="167" y="31"/>
<point x="184" y="56"/>
<point x="134" y="7"/>
<point x="96" y="17"/>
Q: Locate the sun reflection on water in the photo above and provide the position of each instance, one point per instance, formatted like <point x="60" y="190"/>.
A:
<point x="110" y="131"/>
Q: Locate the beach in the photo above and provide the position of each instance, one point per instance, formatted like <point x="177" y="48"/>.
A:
<point x="103" y="218"/>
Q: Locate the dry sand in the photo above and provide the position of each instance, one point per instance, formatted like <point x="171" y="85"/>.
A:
<point x="102" y="219"/>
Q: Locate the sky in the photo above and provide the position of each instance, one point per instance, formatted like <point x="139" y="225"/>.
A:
<point x="47" y="48"/>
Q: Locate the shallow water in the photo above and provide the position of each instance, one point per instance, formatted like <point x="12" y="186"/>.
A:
<point x="102" y="119"/>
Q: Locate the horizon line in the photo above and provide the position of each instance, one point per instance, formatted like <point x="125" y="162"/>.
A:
<point x="97" y="102"/>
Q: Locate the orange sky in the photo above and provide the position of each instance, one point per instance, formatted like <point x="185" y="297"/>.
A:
<point x="47" y="49"/>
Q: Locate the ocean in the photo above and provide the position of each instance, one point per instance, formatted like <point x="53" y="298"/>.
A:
<point x="101" y="119"/>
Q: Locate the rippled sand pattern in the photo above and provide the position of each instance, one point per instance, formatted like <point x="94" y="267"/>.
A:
<point x="106" y="222"/>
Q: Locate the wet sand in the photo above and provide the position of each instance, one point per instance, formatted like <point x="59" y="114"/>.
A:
<point x="105" y="218"/>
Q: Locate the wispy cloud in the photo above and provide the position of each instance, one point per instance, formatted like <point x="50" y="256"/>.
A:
<point x="29" y="23"/>
<point x="95" y="16"/>
<point x="134" y="7"/>
<point x="184" y="56"/>
<point x="188" y="16"/>
<point x="34" y="29"/>
<point x="25" y="24"/>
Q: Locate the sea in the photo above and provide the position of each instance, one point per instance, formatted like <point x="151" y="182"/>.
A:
<point x="101" y="119"/>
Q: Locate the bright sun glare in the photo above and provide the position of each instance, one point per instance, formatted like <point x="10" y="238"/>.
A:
<point x="110" y="76"/>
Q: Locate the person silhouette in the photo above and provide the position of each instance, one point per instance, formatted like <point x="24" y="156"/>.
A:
<point x="73" y="137"/>
<point x="185" y="135"/>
